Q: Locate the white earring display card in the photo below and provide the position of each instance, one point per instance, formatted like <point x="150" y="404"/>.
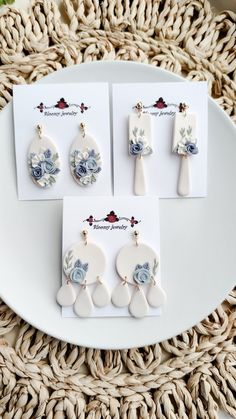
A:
<point x="166" y="172"/>
<point x="59" y="158"/>
<point x="109" y="224"/>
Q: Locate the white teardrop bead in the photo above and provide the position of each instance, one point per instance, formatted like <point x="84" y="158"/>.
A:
<point x="121" y="295"/>
<point x="101" y="295"/>
<point x="156" y="296"/>
<point x="138" y="306"/>
<point x="83" y="303"/>
<point x="66" y="295"/>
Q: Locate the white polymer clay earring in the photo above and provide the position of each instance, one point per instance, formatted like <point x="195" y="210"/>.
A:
<point x="43" y="160"/>
<point x="140" y="135"/>
<point x="84" y="265"/>
<point x="137" y="265"/>
<point x="85" y="158"/>
<point x="185" y="145"/>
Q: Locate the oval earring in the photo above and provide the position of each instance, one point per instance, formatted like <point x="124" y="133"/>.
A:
<point x="84" y="265"/>
<point x="43" y="160"/>
<point x="137" y="265"/>
<point x="85" y="158"/>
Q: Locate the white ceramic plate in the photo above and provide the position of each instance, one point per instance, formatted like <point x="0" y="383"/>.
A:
<point x="198" y="236"/>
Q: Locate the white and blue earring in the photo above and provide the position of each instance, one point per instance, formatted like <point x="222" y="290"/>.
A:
<point x="85" y="158"/>
<point x="184" y="145"/>
<point x="140" y="137"/>
<point x="84" y="265"/>
<point x="43" y="160"/>
<point x="137" y="265"/>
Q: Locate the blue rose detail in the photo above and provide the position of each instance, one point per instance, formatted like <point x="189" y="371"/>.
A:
<point x="91" y="165"/>
<point x="49" y="166"/>
<point x="136" y="148"/>
<point x="81" y="170"/>
<point x="77" y="275"/>
<point x="47" y="154"/>
<point x="37" y="172"/>
<point x="191" y="148"/>
<point x="141" y="273"/>
<point x="79" y="271"/>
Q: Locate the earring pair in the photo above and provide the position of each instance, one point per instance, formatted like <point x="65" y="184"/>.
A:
<point x="184" y="144"/>
<point x="44" y="160"/>
<point x="84" y="265"/>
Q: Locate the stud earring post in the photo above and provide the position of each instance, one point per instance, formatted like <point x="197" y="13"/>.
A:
<point x="85" y="236"/>
<point x="39" y="130"/>
<point x="139" y="108"/>
<point x="82" y="127"/>
<point x="136" y="237"/>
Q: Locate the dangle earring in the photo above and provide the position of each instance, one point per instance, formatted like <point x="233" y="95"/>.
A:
<point x="185" y="145"/>
<point x="84" y="265"/>
<point x="137" y="265"/>
<point x="140" y="135"/>
<point x="43" y="160"/>
<point x="85" y="158"/>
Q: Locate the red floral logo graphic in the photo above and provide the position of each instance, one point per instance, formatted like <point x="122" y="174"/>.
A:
<point x="63" y="104"/>
<point x="112" y="218"/>
<point x="160" y="104"/>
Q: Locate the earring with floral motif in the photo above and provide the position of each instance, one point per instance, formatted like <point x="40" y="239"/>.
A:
<point x="137" y="265"/>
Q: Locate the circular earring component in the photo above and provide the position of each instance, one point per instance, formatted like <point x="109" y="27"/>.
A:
<point x="137" y="265"/>
<point x="85" y="159"/>
<point x="84" y="265"/>
<point x="43" y="160"/>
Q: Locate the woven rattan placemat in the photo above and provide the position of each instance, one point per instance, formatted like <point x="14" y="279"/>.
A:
<point x="193" y="374"/>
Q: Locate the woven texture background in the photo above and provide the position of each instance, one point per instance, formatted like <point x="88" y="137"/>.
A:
<point x="193" y="374"/>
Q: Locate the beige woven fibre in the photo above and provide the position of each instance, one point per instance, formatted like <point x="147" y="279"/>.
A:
<point x="192" y="375"/>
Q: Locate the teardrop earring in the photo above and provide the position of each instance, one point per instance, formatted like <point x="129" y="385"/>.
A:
<point x="84" y="265"/>
<point x="137" y="265"/>
<point x="184" y="145"/>
<point x="43" y="160"/>
<point x="85" y="158"/>
<point x="140" y="135"/>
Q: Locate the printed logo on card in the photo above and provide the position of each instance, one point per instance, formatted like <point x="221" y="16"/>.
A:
<point x="160" y="107"/>
<point x="111" y="222"/>
<point x="62" y="108"/>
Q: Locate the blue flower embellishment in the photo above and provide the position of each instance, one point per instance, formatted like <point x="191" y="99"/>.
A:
<point x="191" y="148"/>
<point x="142" y="274"/>
<point x="85" y="166"/>
<point x="137" y="144"/>
<point x="44" y="167"/>
<point x="136" y="148"/>
<point x="78" y="273"/>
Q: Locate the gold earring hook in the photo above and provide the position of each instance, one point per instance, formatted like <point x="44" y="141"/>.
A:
<point x="39" y="129"/>
<point x="183" y="108"/>
<point x="139" y="108"/>
<point x="136" y="237"/>
<point x="85" y="237"/>
<point x="82" y="127"/>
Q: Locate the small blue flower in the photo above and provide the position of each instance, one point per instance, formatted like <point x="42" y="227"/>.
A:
<point x="47" y="154"/>
<point x="77" y="275"/>
<point x="37" y="172"/>
<point x="191" y="148"/>
<point x="91" y="165"/>
<point x="81" y="170"/>
<point x="141" y="273"/>
<point x="49" y="166"/>
<point x="91" y="153"/>
<point x="79" y="264"/>
<point x="79" y="271"/>
<point x="136" y="148"/>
